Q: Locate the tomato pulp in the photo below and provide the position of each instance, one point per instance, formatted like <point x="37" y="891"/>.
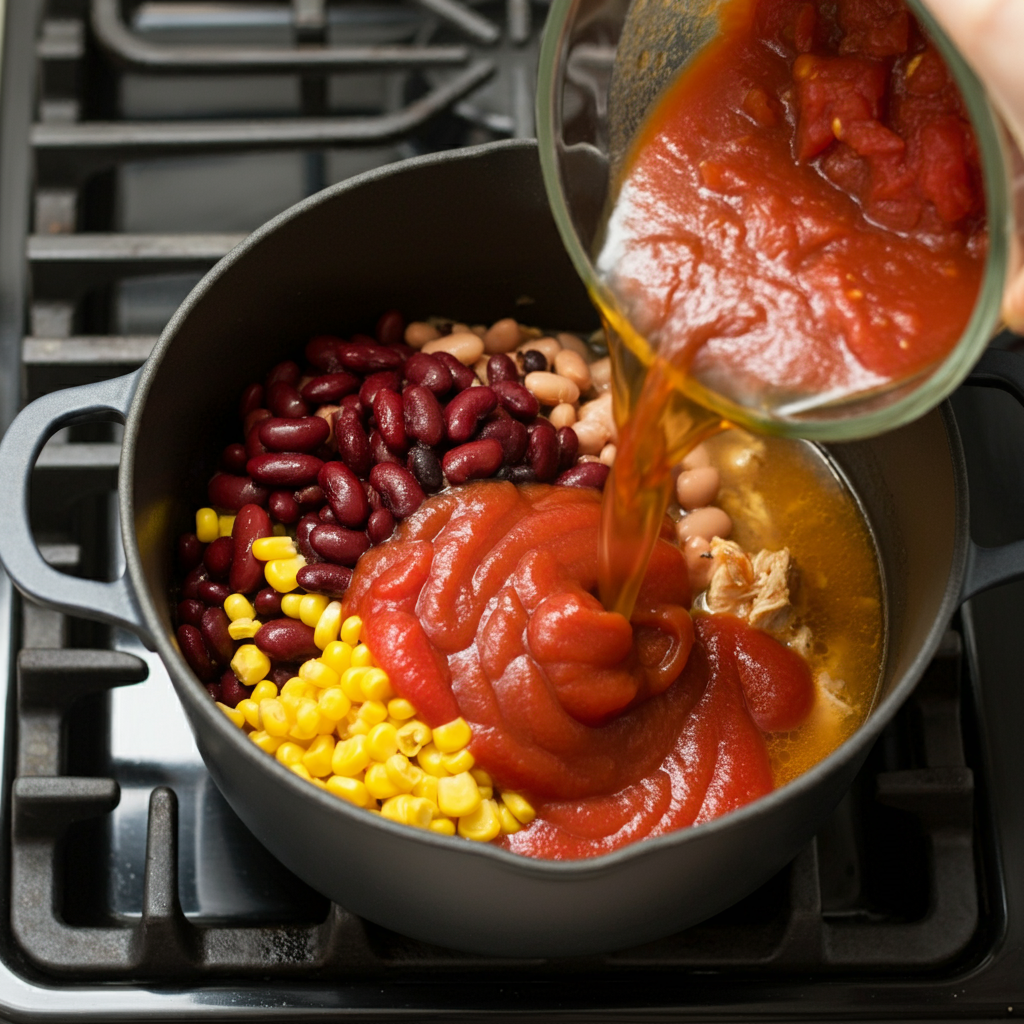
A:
<point x="802" y="217"/>
<point x="482" y="606"/>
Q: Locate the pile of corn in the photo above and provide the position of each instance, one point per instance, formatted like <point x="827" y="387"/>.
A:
<point x="339" y="725"/>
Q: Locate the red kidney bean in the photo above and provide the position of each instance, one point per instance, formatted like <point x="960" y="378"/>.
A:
<point x="284" y="400"/>
<point x="375" y="382"/>
<point x="428" y="372"/>
<point x="232" y="492"/>
<point x="287" y="372"/>
<point x="287" y="639"/>
<point x="336" y="544"/>
<point x="284" y="508"/>
<point x="542" y="454"/>
<point x="214" y="628"/>
<point x="267" y="603"/>
<point x="190" y="584"/>
<point x="252" y="398"/>
<point x="519" y="475"/>
<point x="191" y="611"/>
<point x="304" y="434"/>
<point x="190" y="551"/>
<point x="516" y="399"/>
<point x="212" y="593"/>
<point x="586" y="474"/>
<point x="501" y="367"/>
<point x="306" y="525"/>
<point x="353" y="444"/>
<point x="390" y="328"/>
<point x="372" y="497"/>
<point x="345" y="494"/>
<point x="309" y="498"/>
<point x="253" y="445"/>
<point x="232" y="691"/>
<point x="233" y="458"/>
<point x="568" y="448"/>
<point x="332" y="580"/>
<point x="251" y="523"/>
<point x="389" y="411"/>
<point x="511" y="434"/>
<point x="355" y="404"/>
<point x="284" y="469"/>
<point x="399" y="490"/>
<point x="331" y="387"/>
<point x="322" y="352"/>
<point x="533" y="360"/>
<point x="380" y="526"/>
<point x="424" y="419"/>
<point x="366" y="356"/>
<point x="217" y="557"/>
<point x="473" y="461"/>
<point x="280" y="674"/>
<point x="462" y="376"/>
<point x="254" y="419"/>
<point x="379" y="450"/>
<point x="213" y="689"/>
<point x="465" y="411"/>
<point x="190" y="640"/>
<point x="326" y="514"/>
<point x="424" y="464"/>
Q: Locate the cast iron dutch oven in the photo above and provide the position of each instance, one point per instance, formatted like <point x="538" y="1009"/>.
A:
<point x="467" y="234"/>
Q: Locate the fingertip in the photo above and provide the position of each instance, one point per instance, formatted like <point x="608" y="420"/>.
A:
<point x="1013" y="304"/>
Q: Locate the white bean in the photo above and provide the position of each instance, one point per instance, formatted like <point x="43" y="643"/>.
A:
<point x="697" y="458"/>
<point x="601" y="374"/>
<point x="326" y="412"/>
<point x="570" y="364"/>
<point x="696" y="488"/>
<point x="699" y="564"/>
<point x="574" y="344"/>
<point x="608" y="453"/>
<point x="502" y="336"/>
<point x="466" y="347"/>
<point x="593" y="435"/>
<point x="480" y="368"/>
<point x="563" y="415"/>
<point x="550" y="388"/>
<point x="417" y="334"/>
<point x="706" y="522"/>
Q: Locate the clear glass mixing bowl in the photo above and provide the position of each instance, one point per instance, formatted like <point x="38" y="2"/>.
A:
<point x="604" y="64"/>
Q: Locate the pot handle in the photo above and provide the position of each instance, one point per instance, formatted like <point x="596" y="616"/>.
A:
<point x="990" y="567"/>
<point x="113" y="602"/>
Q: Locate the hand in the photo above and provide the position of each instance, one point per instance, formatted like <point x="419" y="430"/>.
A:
<point x="990" y="34"/>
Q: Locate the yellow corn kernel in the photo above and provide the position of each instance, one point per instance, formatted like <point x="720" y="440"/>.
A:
<point x="318" y="756"/>
<point x="376" y="685"/>
<point x="250" y="710"/>
<point x="401" y="772"/>
<point x="412" y="737"/>
<point x="351" y="629"/>
<point x="333" y="704"/>
<point x="372" y="712"/>
<point x="244" y="629"/>
<point x="301" y="770"/>
<point x="352" y="790"/>
<point x="290" y="605"/>
<point x="460" y="761"/>
<point x="296" y="688"/>
<point x="267" y="549"/>
<point x="264" y="690"/>
<point x="508" y="821"/>
<point x="452" y="736"/>
<point x="267" y="743"/>
<point x="326" y="726"/>
<point x="311" y="607"/>
<point x="482" y="777"/>
<point x="338" y="655"/>
<point x="278" y="529"/>
<point x="274" y="718"/>
<point x="225" y="524"/>
<point x="351" y="682"/>
<point x="442" y="826"/>
<point x="289" y="753"/>
<point x="408" y="810"/>
<point x="250" y="665"/>
<point x="429" y="759"/>
<point x="458" y="795"/>
<point x="426" y="786"/>
<point x="207" y="525"/>
<point x="318" y="674"/>
<point x="307" y="720"/>
<point x="483" y="824"/>
<point x="362" y="656"/>
<point x="281" y="572"/>
<point x="350" y="756"/>
<point x="327" y="626"/>
<point x="233" y="715"/>
<point x="237" y="606"/>
<point x="379" y="786"/>
<point x="519" y="806"/>
<point x="355" y="726"/>
<point x="382" y="740"/>
<point x="400" y="708"/>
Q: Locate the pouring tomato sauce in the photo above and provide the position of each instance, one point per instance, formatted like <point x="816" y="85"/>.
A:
<point x="616" y="730"/>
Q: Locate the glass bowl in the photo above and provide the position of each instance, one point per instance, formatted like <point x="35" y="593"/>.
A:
<point x="603" y="65"/>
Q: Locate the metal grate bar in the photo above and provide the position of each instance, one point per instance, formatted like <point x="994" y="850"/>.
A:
<point x="103" y="248"/>
<point x="93" y="350"/>
<point x="475" y="25"/>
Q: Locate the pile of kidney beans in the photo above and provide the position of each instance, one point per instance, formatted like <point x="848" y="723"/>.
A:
<point x="341" y="448"/>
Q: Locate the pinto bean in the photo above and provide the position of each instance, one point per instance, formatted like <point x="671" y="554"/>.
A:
<point x="345" y="494"/>
<point x="511" y="435"/>
<point x="231" y="492"/>
<point x="233" y="458"/>
<point x="466" y="347"/>
<point x="190" y="551"/>
<point x="586" y="474"/>
<point x="267" y="603"/>
<point x="428" y="372"/>
<point x="417" y="334"/>
<point x="331" y="387"/>
<point x="217" y="557"/>
<point x="353" y="443"/>
<point x="696" y="488"/>
<point x="707" y="522"/>
<point x="284" y="400"/>
<point x="287" y="639"/>
<point x="287" y="372"/>
<point x="284" y="469"/>
<point x="389" y="411"/>
<point x="304" y="434"/>
<point x="398" y="488"/>
<point x="332" y="580"/>
<point x="424" y="419"/>
<point x="464" y="412"/>
<point x="338" y="545"/>
<point x="390" y="328"/>
<point x="542" y="453"/>
<point x="368" y="357"/>
<point x="424" y="464"/>
<point x="502" y="336"/>
<point x="322" y="352"/>
<point x="381" y="525"/>
<point x="252" y="398"/>
<point x="473" y="461"/>
<point x="462" y="376"/>
<point x="210" y="592"/>
<point x="516" y="399"/>
<point x="251" y="523"/>
<point x="190" y="611"/>
<point x="193" y="649"/>
<point x="375" y="382"/>
<point x="214" y="627"/>
<point x="284" y="508"/>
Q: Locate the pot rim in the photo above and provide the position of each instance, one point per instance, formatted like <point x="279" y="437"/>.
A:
<point x="192" y="694"/>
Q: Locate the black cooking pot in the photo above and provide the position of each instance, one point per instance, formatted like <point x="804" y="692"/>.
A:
<point x="468" y="234"/>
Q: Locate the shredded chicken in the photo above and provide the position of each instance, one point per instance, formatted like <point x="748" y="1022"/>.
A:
<point x="755" y="589"/>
